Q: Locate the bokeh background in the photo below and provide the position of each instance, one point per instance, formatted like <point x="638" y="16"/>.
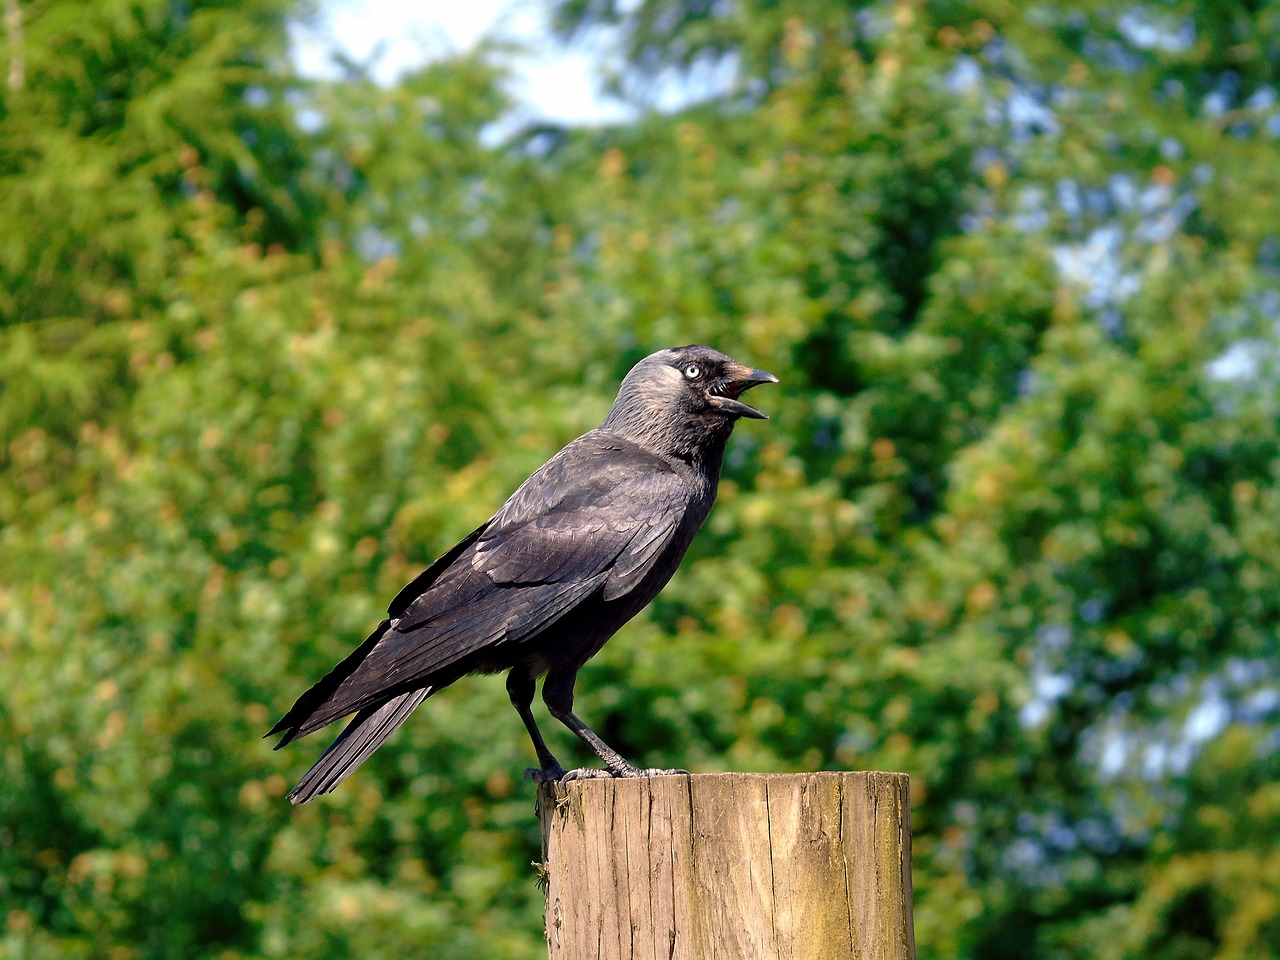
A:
<point x="269" y="343"/>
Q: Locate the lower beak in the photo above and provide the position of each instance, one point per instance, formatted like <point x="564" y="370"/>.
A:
<point x="742" y="379"/>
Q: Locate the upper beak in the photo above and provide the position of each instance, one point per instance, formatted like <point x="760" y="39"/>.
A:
<point x="739" y="380"/>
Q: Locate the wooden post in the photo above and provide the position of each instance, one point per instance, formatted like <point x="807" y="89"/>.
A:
<point x="729" y="866"/>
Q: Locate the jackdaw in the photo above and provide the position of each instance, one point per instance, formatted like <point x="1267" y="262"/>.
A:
<point x="580" y="548"/>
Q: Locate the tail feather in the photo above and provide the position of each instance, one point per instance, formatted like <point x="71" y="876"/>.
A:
<point x="363" y="735"/>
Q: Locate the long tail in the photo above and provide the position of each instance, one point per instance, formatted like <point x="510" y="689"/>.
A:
<point x="363" y="735"/>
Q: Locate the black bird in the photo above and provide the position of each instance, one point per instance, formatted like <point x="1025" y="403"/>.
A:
<point x="576" y="552"/>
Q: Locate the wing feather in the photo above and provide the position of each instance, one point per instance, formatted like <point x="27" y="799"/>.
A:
<point x="637" y="559"/>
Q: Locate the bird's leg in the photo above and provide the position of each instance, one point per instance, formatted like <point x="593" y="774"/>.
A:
<point x="520" y="688"/>
<point x="557" y="692"/>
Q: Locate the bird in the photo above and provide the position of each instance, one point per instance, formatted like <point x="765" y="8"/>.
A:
<point x="579" y="549"/>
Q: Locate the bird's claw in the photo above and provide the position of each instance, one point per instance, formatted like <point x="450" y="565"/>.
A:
<point x="586" y="773"/>
<point x="558" y="774"/>
<point x="627" y="771"/>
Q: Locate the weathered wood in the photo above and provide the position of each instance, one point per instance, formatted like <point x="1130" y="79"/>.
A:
<point x="729" y="866"/>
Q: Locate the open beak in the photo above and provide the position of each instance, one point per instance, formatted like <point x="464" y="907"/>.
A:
<point x="724" y="395"/>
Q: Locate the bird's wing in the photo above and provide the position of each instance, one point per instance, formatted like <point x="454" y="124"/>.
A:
<point x="610" y="520"/>
<point x="594" y="518"/>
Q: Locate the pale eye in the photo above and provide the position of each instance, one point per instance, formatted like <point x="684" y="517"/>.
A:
<point x="692" y="371"/>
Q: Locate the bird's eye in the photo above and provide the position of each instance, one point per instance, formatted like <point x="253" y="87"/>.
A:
<point x="692" y="371"/>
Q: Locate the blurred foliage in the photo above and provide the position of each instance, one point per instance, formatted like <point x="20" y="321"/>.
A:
<point x="268" y="345"/>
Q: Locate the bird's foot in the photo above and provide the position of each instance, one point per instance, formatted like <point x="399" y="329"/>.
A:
<point x="586" y="773"/>
<point x="558" y="774"/>
<point x="626" y="770"/>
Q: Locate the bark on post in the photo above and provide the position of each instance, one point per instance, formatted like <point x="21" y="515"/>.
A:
<point x="729" y="866"/>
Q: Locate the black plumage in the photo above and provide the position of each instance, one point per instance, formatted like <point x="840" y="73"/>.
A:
<point x="576" y="552"/>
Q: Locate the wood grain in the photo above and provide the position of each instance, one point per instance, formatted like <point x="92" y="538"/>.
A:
<point x="729" y="866"/>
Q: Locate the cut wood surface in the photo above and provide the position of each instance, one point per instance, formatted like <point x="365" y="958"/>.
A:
<point x="729" y="866"/>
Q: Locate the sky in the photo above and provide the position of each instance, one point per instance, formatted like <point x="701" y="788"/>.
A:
<point x="551" y="82"/>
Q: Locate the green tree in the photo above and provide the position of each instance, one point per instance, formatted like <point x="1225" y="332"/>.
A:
<point x="1012" y="529"/>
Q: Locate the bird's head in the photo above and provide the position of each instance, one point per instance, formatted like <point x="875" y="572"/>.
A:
<point x="682" y="396"/>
